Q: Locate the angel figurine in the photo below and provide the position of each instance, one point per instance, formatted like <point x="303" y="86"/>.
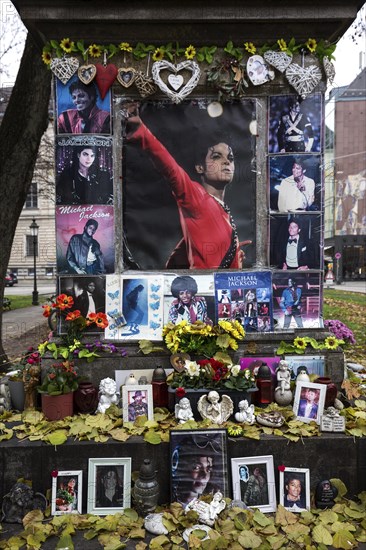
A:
<point x="245" y="413"/>
<point x="108" y="394"/>
<point x="183" y="411"/>
<point x="209" y="406"/>
<point x="207" y="512"/>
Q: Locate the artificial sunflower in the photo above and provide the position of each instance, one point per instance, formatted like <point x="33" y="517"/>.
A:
<point x="190" y="52"/>
<point x="331" y="342"/>
<point x="46" y="57"/>
<point x="249" y="46"/>
<point x="158" y="54"/>
<point x="311" y="45"/>
<point x="94" y="50"/>
<point x="300" y="343"/>
<point x="67" y="45"/>
<point x="282" y="44"/>
<point x="125" y="47"/>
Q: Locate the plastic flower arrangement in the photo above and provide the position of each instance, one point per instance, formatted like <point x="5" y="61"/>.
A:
<point x="211" y="374"/>
<point x="20" y="368"/>
<point x="340" y="330"/>
<point x="201" y="339"/>
<point x="72" y="347"/>
<point x="60" y="378"/>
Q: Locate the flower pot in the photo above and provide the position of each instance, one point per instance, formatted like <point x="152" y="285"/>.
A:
<point x="331" y="392"/>
<point x="86" y="398"/>
<point x="194" y="394"/>
<point x="56" y="407"/>
<point x="17" y="394"/>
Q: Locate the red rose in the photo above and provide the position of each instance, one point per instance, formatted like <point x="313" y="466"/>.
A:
<point x="180" y="392"/>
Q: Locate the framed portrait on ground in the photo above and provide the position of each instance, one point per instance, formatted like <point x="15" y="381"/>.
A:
<point x="109" y="485"/>
<point x="253" y="482"/>
<point x="198" y="461"/>
<point x="67" y="492"/>
<point x="137" y="401"/>
<point x="309" y="401"/>
<point x="295" y="489"/>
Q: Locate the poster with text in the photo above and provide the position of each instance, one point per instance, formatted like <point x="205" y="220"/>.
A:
<point x="245" y="297"/>
<point x="188" y="184"/>
<point x="85" y="239"/>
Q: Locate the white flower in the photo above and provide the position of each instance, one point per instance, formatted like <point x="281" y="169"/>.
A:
<point x="192" y="368"/>
<point x="247" y="374"/>
<point x="234" y="371"/>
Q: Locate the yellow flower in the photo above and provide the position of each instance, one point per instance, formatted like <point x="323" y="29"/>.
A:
<point x="300" y="343"/>
<point x="235" y="431"/>
<point x="311" y="44"/>
<point x="125" y="47"/>
<point x="331" y="342"/>
<point x="282" y="44"/>
<point x="233" y="344"/>
<point x="158" y="54"/>
<point x="66" y="45"/>
<point x="46" y="57"/>
<point x="249" y="46"/>
<point x="190" y="52"/>
<point x="94" y="50"/>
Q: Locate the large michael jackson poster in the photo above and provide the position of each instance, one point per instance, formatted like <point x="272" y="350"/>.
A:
<point x="189" y="185"/>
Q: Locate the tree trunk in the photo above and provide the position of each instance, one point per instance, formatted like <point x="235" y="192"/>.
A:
<point x="24" y="122"/>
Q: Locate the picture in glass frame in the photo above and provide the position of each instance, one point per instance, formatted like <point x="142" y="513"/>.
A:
<point x="253" y="482"/>
<point x="137" y="400"/>
<point x="109" y="485"/>
<point x="198" y="461"/>
<point x="295" y="489"/>
<point x="309" y="401"/>
<point x="67" y="492"/>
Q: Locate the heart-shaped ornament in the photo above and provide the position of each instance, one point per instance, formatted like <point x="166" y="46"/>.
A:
<point x="278" y="60"/>
<point x="126" y="76"/>
<point x="258" y="71"/>
<point x="177" y="360"/>
<point x="86" y="73"/>
<point x="64" y="68"/>
<point x="145" y="85"/>
<point x="329" y="69"/>
<point x="303" y="79"/>
<point x="176" y="81"/>
<point x="106" y="75"/>
<point x="175" y="95"/>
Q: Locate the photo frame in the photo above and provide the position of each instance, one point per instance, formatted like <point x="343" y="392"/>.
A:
<point x="67" y="490"/>
<point x="295" y="489"/>
<point x="309" y="401"/>
<point x="106" y="475"/>
<point x="137" y="400"/>
<point x="198" y="462"/>
<point x="254" y="483"/>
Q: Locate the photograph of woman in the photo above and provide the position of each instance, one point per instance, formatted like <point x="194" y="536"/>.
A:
<point x="109" y="487"/>
<point x="84" y="172"/>
<point x="80" y="109"/>
<point x="188" y="188"/>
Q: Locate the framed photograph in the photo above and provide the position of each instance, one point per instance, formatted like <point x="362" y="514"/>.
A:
<point x="295" y="489"/>
<point x="189" y="298"/>
<point x="198" y="461"/>
<point x="309" y="401"/>
<point x="109" y="485"/>
<point x="67" y="492"/>
<point x="137" y="401"/>
<point x="314" y="364"/>
<point x="253" y="482"/>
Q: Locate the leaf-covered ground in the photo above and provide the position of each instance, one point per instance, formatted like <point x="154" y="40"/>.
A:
<point x="350" y="308"/>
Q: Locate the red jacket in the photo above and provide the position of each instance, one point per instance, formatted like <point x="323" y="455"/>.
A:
<point x="98" y="122"/>
<point x="207" y="231"/>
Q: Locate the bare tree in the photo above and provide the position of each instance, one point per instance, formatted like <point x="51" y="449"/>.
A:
<point x="24" y="122"/>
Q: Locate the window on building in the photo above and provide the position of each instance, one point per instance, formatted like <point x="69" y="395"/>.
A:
<point x="49" y="271"/>
<point x="31" y="244"/>
<point x="32" y="196"/>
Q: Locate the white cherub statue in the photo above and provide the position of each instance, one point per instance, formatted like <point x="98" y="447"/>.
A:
<point x="246" y="412"/>
<point x="107" y="394"/>
<point x="183" y="411"/>
<point x="283" y="376"/>
<point x="209" y="406"/>
<point x="207" y="512"/>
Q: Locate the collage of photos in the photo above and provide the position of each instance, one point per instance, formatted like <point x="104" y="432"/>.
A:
<point x="296" y="209"/>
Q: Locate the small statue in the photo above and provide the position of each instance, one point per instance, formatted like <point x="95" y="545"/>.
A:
<point x="207" y="513"/>
<point x="273" y="419"/>
<point x="325" y="494"/>
<point x="283" y="393"/>
<point x="19" y="501"/>
<point x="31" y="379"/>
<point x="131" y="380"/>
<point x="154" y="524"/>
<point x="5" y="400"/>
<point x="210" y="407"/>
<point x="107" y="394"/>
<point x="302" y="374"/>
<point x="246" y="412"/>
<point x="183" y="411"/>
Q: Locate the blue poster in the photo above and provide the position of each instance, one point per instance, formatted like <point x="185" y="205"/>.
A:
<point x="247" y="297"/>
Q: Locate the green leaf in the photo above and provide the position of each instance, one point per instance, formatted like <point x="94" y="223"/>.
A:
<point x="338" y="483"/>
<point x="343" y="539"/>
<point x="152" y="437"/>
<point x="65" y="542"/>
<point x="328" y="516"/>
<point x="248" y="539"/>
<point x="261" y="519"/>
<point x="321" y="534"/>
<point x="57" y="437"/>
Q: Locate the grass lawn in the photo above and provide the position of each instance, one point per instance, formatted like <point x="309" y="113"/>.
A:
<point x="350" y="308"/>
<point x="18" y="302"/>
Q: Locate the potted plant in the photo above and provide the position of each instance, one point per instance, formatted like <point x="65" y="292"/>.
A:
<point x="57" y="388"/>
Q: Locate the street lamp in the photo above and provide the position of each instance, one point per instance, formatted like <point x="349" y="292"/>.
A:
<point x="34" y="232"/>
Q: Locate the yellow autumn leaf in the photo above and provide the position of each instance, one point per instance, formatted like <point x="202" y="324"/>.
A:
<point x="248" y="539"/>
<point x="110" y="541"/>
<point x="343" y="539"/>
<point x="328" y="516"/>
<point x="152" y="437"/>
<point x="65" y="542"/>
<point x="321" y="535"/>
<point x="261" y="519"/>
<point x="56" y="438"/>
<point x="119" y="434"/>
<point x="32" y="517"/>
<point x="141" y="546"/>
<point x="355" y="514"/>
<point x="158" y="541"/>
<point x="32" y="417"/>
<point x="284" y="517"/>
<point x="339" y="525"/>
<point x="338" y="484"/>
<point x="7" y="434"/>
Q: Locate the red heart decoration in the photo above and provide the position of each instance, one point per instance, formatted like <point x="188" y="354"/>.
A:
<point x="105" y="77"/>
<point x="281" y="467"/>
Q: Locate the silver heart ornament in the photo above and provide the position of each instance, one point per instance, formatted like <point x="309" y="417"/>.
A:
<point x="64" y="68"/>
<point x="278" y="60"/>
<point x="303" y="79"/>
<point x="177" y="94"/>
